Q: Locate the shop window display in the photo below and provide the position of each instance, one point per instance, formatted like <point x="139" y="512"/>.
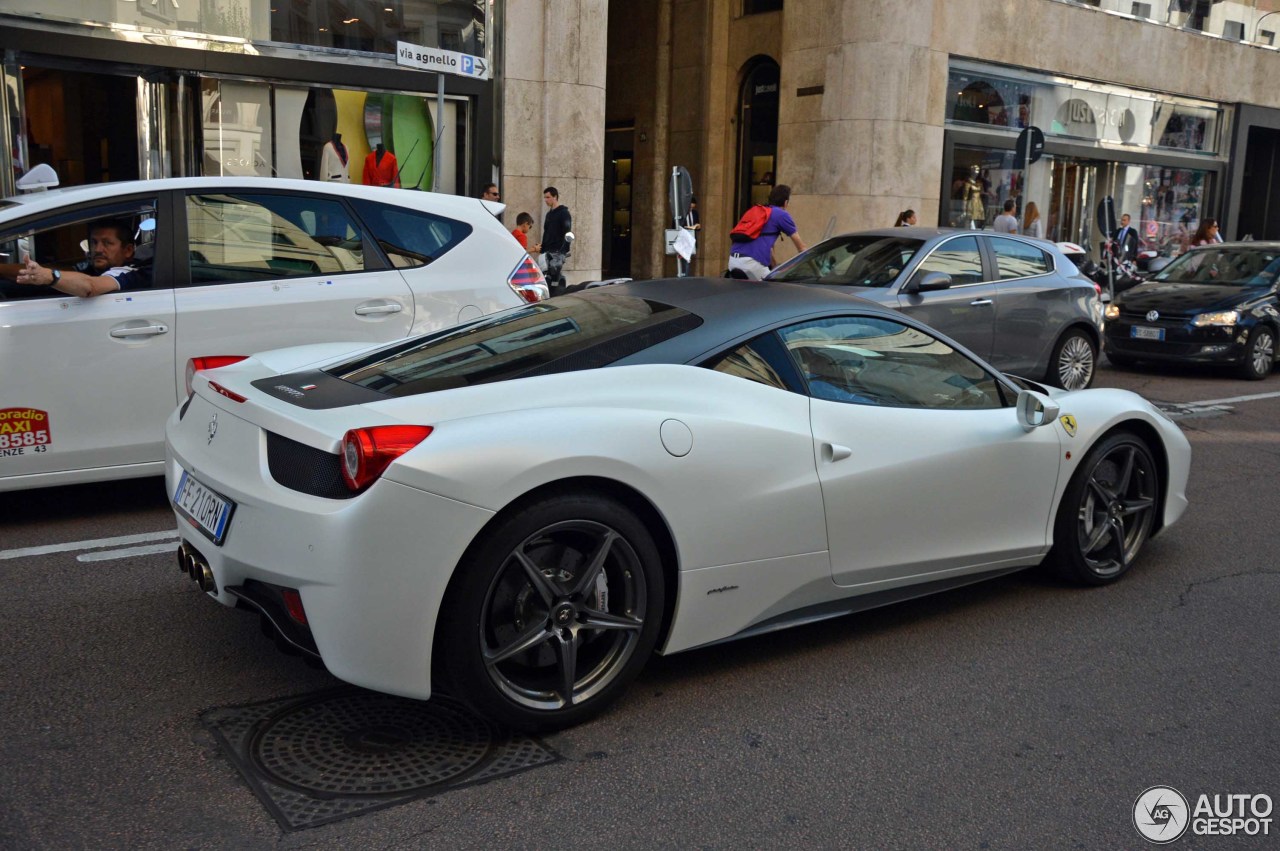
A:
<point x="265" y="129"/>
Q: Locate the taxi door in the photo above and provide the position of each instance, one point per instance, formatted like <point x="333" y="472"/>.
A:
<point x="270" y="269"/>
<point x="87" y="382"/>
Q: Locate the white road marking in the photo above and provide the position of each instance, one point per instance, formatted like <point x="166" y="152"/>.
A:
<point x="108" y="555"/>
<point x="1177" y="410"/>
<point x="97" y="543"/>
<point x="1253" y="398"/>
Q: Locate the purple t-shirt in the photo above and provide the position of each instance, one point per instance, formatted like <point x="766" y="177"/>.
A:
<point x="760" y="249"/>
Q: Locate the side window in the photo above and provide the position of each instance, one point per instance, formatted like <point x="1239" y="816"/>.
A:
<point x="1018" y="260"/>
<point x="411" y="237"/>
<point x="750" y="362"/>
<point x="241" y="237"/>
<point x="958" y="258"/>
<point x="872" y="361"/>
<point x="117" y="239"/>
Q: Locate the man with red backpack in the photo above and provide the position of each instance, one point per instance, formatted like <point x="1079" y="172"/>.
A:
<point x="751" y="255"/>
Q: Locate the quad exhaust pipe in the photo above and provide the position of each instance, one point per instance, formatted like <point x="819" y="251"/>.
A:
<point x="194" y="566"/>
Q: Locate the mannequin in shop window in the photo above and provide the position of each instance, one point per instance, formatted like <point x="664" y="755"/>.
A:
<point x="333" y="161"/>
<point x="380" y="168"/>
<point x="975" y="208"/>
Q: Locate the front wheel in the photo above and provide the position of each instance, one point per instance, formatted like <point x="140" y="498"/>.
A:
<point x="554" y="614"/>
<point x="1074" y="361"/>
<point x="1260" y="354"/>
<point x="1107" y="512"/>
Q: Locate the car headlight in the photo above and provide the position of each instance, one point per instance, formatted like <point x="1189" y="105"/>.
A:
<point x="1112" y="311"/>
<point x="1221" y="317"/>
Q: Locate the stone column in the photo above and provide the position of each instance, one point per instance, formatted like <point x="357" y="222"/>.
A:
<point x="869" y="144"/>
<point x="553" y="117"/>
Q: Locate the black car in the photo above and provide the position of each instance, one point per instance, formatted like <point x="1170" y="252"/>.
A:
<point x="1214" y="304"/>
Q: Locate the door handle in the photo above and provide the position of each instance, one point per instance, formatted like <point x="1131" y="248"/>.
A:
<point x="140" y="331"/>
<point x="371" y="309"/>
<point x="835" y="452"/>
<point x="979" y="301"/>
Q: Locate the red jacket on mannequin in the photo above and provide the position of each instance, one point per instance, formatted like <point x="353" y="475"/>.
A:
<point x="380" y="168"/>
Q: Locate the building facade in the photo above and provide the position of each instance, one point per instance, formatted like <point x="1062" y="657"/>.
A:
<point x="864" y="107"/>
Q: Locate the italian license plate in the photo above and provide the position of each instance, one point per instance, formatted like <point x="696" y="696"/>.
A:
<point x="203" y="506"/>
<point x="1142" y="332"/>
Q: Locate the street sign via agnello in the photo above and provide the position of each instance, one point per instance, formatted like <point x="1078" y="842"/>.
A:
<point x="444" y="61"/>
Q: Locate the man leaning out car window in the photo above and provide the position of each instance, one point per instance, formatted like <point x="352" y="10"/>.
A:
<point x="111" y="266"/>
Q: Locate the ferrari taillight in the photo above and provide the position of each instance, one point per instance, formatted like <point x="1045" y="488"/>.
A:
<point x="367" y="452"/>
<point x="527" y="272"/>
<point x="209" y="362"/>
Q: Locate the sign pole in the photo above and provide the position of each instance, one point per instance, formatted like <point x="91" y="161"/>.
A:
<point x="1026" y="176"/>
<point x="435" y="149"/>
<point x="682" y="268"/>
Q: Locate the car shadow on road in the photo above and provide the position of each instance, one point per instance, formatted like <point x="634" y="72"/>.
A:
<point x="100" y="499"/>
<point x="799" y="642"/>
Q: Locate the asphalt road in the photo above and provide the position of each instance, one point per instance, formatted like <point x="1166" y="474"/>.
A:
<point x="1021" y="713"/>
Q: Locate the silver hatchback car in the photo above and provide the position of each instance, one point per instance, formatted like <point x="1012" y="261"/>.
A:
<point x="1014" y="301"/>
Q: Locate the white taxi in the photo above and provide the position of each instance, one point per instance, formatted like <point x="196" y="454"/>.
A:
<point x="215" y="269"/>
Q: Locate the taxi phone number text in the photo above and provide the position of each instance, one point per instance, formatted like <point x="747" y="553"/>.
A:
<point x="26" y="438"/>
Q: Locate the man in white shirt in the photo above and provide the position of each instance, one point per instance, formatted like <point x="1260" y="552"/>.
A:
<point x="1006" y="222"/>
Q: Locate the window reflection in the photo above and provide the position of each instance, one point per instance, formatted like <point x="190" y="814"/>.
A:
<point x="374" y="26"/>
<point x="958" y="258"/>
<point x="254" y="238"/>
<point x="871" y="361"/>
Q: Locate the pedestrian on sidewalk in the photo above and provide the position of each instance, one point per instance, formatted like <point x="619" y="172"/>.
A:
<point x="753" y="259"/>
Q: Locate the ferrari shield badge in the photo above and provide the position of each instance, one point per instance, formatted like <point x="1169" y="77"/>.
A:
<point x="1069" y="424"/>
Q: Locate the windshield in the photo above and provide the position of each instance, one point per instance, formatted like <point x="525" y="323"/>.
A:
<point x="572" y="332"/>
<point x="1230" y="266"/>
<point x="855" y="261"/>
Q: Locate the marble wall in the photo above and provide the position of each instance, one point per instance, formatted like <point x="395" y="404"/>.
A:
<point x="869" y="145"/>
<point x="553" y="117"/>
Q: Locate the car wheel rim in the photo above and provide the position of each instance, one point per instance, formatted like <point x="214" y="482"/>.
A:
<point x="563" y="615"/>
<point x="1117" y="510"/>
<point x="1075" y="363"/>
<point x="1264" y="352"/>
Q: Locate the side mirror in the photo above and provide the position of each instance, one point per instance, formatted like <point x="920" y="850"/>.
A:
<point x="1035" y="410"/>
<point x="929" y="282"/>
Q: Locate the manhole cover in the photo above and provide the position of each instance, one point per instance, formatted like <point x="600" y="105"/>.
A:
<point x="319" y="758"/>
<point x="369" y="744"/>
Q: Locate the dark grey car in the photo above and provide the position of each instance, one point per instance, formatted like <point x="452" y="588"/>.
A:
<point x="1015" y="301"/>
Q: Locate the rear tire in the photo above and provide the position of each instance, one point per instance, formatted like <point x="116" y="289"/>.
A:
<point x="1260" y="354"/>
<point x="1074" y="361"/>
<point x="554" y="614"/>
<point x="1107" y="512"/>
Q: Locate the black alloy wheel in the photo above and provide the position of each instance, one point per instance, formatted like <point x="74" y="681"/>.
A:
<point x="1108" y="511"/>
<point x="1074" y="361"/>
<point x="555" y="615"/>
<point x="1260" y="354"/>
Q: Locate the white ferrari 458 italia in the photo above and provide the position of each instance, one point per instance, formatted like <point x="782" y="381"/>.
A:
<point x="532" y="503"/>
